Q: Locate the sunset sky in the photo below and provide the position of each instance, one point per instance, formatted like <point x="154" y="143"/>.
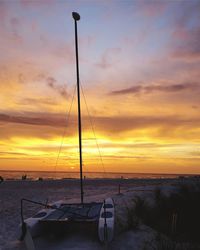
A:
<point x="140" y="73"/>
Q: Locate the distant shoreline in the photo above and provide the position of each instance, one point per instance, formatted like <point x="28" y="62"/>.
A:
<point x="100" y="172"/>
<point x="61" y="175"/>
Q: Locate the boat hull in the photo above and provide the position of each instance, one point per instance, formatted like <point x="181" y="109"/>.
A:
<point x="106" y="221"/>
<point x="65" y="218"/>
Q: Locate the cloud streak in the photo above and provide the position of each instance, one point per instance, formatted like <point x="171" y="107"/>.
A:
<point x="137" y="89"/>
<point x="104" y="124"/>
<point x="39" y="119"/>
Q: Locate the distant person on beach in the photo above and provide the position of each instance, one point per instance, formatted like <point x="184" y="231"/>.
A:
<point x="1" y="179"/>
<point x="24" y="177"/>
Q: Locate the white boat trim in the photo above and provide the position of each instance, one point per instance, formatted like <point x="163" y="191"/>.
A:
<point x="106" y="221"/>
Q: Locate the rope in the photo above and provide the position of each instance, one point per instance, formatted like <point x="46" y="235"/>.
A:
<point x="92" y="125"/>
<point x="64" y="132"/>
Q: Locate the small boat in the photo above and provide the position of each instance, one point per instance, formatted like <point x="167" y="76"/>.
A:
<point x="61" y="216"/>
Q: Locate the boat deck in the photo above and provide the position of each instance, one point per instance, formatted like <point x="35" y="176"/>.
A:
<point x="75" y="212"/>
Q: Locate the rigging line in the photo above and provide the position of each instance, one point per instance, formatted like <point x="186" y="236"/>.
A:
<point x="92" y="125"/>
<point x="64" y="131"/>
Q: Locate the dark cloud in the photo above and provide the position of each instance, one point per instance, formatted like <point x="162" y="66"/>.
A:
<point x="52" y="83"/>
<point x="50" y="125"/>
<point x="134" y="90"/>
<point x="156" y="88"/>
<point x="112" y="124"/>
<point x="35" y="125"/>
<point x="165" y="125"/>
<point x="39" y="119"/>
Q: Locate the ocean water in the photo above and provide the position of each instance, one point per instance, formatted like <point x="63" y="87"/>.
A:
<point x="34" y="175"/>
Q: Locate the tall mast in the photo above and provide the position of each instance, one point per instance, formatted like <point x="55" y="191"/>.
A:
<point x="76" y="17"/>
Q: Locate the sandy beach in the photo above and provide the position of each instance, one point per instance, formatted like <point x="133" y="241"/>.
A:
<point x="11" y="192"/>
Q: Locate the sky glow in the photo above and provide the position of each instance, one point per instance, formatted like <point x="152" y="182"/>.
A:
<point x="139" y="69"/>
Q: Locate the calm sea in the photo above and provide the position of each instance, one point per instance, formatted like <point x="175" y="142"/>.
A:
<point x="34" y="175"/>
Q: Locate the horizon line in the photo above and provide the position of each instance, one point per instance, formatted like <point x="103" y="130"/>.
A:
<point x="43" y="171"/>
